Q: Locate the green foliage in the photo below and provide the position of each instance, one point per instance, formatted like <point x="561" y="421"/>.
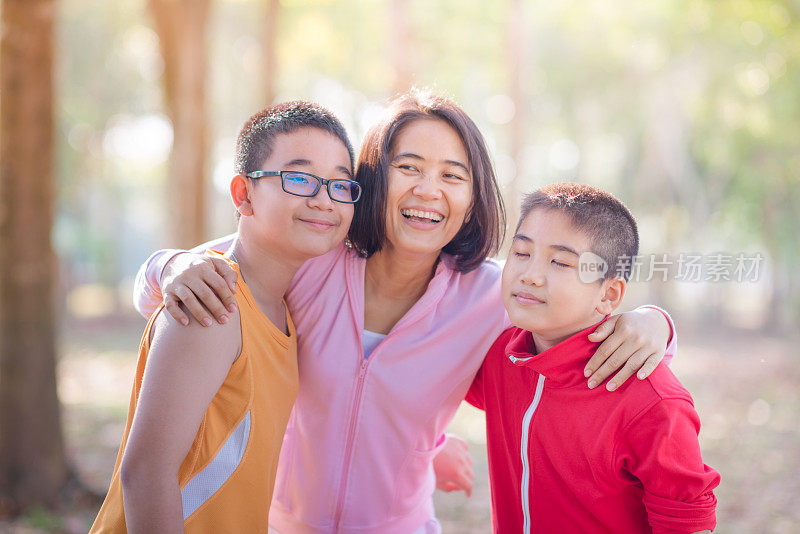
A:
<point x="43" y="520"/>
<point x="677" y="106"/>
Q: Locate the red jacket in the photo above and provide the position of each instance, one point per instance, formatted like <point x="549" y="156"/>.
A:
<point x="564" y="458"/>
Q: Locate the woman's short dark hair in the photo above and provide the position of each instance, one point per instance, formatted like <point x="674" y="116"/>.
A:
<point x="482" y="232"/>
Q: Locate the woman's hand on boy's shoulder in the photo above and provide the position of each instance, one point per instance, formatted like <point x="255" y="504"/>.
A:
<point x="632" y="343"/>
<point x="200" y="286"/>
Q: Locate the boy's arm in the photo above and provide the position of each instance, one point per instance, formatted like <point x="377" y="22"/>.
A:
<point x="186" y="366"/>
<point x="661" y="449"/>
<point x="147" y="295"/>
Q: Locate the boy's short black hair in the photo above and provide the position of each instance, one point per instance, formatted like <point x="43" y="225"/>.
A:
<point x="599" y="214"/>
<point x="254" y="144"/>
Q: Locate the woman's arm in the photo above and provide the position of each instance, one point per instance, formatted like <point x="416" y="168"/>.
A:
<point x="453" y="466"/>
<point x="185" y="368"/>
<point x="633" y="342"/>
<point x="154" y="274"/>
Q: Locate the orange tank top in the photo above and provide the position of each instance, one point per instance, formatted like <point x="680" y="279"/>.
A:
<point x="227" y="477"/>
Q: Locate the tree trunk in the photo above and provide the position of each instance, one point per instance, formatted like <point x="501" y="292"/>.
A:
<point x="270" y="39"/>
<point x="33" y="467"/>
<point x="181" y="26"/>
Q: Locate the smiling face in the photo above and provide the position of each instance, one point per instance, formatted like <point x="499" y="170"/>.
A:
<point x="430" y="188"/>
<point x="541" y="289"/>
<point x="296" y="227"/>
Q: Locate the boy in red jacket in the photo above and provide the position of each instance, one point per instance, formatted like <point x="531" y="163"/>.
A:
<point x="564" y="458"/>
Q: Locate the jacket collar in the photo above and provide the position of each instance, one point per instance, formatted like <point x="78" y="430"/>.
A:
<point x="562" y="364"/>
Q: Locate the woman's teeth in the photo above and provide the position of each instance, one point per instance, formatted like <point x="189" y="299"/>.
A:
<point x="428" y="215"/>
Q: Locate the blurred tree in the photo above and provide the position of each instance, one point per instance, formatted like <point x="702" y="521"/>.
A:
<point x="401" y="47"/>
<point x="33" y="467"/>
<point x="110" y="199"/>
<point x="182" y="31"/>
<point x="518" y="61"/>
<point x="269" y="42"/>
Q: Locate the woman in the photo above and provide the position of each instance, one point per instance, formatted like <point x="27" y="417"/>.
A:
<point x="393" y="326"/>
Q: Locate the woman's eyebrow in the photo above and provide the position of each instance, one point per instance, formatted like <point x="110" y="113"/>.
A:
<point x="408" y="155"/>
<point x="417" y="156"/>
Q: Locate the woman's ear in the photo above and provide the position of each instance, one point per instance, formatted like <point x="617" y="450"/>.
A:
<point x="611" y="295"/>
<point x="241" y="188"/>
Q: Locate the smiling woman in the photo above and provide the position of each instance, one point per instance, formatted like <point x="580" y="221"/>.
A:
<point x="436" y="161"/>
<point x="430" y="192"/>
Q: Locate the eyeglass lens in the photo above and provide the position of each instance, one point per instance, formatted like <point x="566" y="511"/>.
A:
<point x="305" y="185"/>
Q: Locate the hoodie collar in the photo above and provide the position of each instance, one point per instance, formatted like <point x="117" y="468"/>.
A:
<point x="562" y="364"/>
<point x="442" y="279"/>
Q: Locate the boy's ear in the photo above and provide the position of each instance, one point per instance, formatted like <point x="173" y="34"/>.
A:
<point x="240" y="194"/>
<point x="611" y="295"/>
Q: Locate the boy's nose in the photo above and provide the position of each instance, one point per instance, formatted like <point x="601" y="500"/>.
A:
<point x="533" y="275"/>
<point x="321" y="200"/>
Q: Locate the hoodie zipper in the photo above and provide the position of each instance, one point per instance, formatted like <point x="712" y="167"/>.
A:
<point x="526" y="424"/>
<point x="351" y="429"/>
<point x="351" y="432"/>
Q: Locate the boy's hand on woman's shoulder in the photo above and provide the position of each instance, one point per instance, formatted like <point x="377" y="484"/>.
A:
<point x="203" y="285"/>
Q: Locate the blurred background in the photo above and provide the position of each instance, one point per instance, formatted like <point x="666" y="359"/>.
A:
<point x="118" y="122"/>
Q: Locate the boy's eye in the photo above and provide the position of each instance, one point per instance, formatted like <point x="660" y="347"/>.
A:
<point x="521" y="254"/>
<point x="559" y="264"/>
<point x="296" y="179"/>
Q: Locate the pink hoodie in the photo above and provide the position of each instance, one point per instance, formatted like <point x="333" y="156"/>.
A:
<point x="358" y="451"/>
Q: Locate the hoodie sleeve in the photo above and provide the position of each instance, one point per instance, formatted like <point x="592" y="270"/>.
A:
<point x="475" y="394"/>
<point x="661" y="449"/>
<point x="147" y="289"/>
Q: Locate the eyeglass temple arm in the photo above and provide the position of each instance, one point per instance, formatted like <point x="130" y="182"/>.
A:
<point x="262" y="174"/>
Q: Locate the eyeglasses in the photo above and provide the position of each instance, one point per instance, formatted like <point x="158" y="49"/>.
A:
<point x="304" y="184"/>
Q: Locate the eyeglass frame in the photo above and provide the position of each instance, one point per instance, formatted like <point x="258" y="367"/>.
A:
<point x="320" y="183"/>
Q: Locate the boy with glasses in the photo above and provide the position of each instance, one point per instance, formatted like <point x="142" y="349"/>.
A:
<point x="209" y="406"/>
